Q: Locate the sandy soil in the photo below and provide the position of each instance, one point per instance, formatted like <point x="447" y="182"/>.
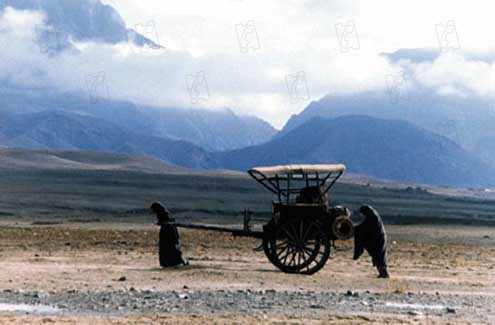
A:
<point x="447" y="277"/>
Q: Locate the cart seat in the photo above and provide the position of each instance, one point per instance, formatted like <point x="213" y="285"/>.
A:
<point x="312" y="195"/>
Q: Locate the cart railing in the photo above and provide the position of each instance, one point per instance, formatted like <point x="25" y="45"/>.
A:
<point x="287" y="185"/>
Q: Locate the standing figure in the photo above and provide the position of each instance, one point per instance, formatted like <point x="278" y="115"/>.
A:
<point x="370" y="235"/>
<point x="169" y="245"/>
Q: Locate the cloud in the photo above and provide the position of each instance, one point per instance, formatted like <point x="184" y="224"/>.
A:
<point x="293" y="36"/>
<point x="453" y="74"/>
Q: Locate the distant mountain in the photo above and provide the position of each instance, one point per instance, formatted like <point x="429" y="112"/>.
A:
<point x="485" y="148"/>
<point x="466" y="120"/>
<point x="81" y="20"/>
<point x="389" y="149"/>
<point x="429" y="54"/>
<point x="414" y="55"/>
<point x="211" y="130"/>
<point x="54" y="129"/>
<point x="31" y="158"/>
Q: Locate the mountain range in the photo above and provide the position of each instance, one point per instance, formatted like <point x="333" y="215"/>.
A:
<point x="212" y="130"/>
<point x="56" y="129"/>
<point x="390" y="149"/>
<point x="468" y="121"/>
<point x="473" y="116"/>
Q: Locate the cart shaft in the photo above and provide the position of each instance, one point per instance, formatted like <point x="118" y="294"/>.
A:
<point x="233" y="231"/>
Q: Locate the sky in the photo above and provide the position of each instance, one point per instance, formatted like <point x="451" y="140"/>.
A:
<point x="270" y="58"/>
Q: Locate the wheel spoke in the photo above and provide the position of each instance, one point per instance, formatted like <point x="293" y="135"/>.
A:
<point x="299" y="257"/>
<point x="301" y="230"/>
<point x="289" y="235"/>
<point x="289" y="251"/>
<point x="306" y="233"/>
<point x="282" y="244"/>
<point x="293" y="228"/>
<point x="293" y="257"/>
<point x="303" y="254"/>
<point x="286" y="249"/>
<point x="309" y="251"/>
<point x="283" y="259"/>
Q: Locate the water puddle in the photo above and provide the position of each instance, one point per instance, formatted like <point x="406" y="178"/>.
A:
<point x="414" y="306"/>
<point x="39" y="309"/>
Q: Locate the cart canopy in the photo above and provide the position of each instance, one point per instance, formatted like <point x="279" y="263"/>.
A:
<point x="299" y="169"/>
<point x="288" y="180"/>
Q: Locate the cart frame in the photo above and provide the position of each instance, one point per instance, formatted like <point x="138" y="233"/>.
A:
<point x="297" y="238"/>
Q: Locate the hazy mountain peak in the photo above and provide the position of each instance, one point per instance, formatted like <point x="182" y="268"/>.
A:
<point x="429" y="54"/>
<point x="81" y="20"/>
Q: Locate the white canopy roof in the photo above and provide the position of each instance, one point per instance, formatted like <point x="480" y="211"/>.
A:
<point x="299" y="169"/>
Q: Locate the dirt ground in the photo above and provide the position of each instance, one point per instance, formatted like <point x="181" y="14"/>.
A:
<point x="108" y="274"/>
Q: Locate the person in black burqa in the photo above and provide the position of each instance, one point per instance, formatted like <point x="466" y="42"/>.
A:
<point x="370" y="235"/>
<point x="169" y="245"/>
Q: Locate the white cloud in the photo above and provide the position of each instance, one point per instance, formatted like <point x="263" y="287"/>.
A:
<point x="293" y="35"/>
<point x="453" y="74"/>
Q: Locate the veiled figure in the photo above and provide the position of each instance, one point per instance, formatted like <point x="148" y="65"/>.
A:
<point x="169" y="245"/>
<point x="370" y="235"/>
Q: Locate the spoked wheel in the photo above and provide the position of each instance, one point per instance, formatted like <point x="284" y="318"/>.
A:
<point x="268" y="243"/>
<point x="298" y="246"/>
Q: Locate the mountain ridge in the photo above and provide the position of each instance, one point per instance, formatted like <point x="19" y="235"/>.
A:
<point x="375" y="147"/>
<point x="50" y="159"/>
<point x="468" y="120"/>
<point x="62" y="130"/>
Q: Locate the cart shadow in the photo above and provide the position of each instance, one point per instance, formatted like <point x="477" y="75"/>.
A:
<point x="191" y="267"/>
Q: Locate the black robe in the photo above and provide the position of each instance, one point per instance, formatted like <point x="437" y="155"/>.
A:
<point x="370" y="235"/>
<point x="169" y="245"/>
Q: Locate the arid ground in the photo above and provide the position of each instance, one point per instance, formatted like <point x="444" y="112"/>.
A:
<point x="107" y="273"/>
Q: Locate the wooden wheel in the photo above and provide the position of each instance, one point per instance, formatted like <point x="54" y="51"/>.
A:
<point x="298" y="246"/>
<point x="267" y="248"/>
